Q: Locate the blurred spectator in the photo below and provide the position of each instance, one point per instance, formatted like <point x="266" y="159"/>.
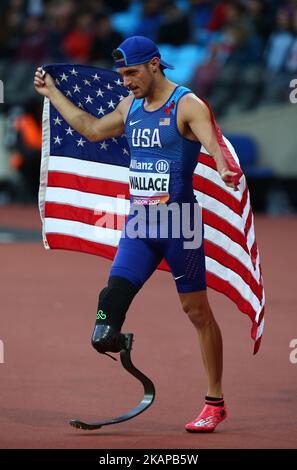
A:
<point x="11" y="24"/>
<point x="25" y="158"/>
<point x="201" y="12"/>
<point x="77" y="43"/>
<point x="106" y="39"/>
<point x="150" y="20"/>
<point x="261" y="18"/>
<point x="175" y="26"/>
<point x="276" y="86"/>
<point x="33" y="47"/>
<point x="98" y="7"/>
<point x="35" y="7"/>
<point x="279" y="42"/>
<point x="291" y="62"/>
<point x="115" y="5"/>
<point x="218" y="17"/>
<point x="59" y="27"/>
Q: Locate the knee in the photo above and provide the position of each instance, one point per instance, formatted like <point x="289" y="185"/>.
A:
<point x="199" y="313"/>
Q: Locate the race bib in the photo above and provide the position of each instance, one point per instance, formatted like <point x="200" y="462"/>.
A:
<point x="149" y="181"/>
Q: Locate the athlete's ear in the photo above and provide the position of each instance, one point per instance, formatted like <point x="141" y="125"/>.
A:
<point x="154" y="64"/>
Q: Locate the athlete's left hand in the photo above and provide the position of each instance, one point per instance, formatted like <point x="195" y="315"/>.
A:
<point x="226" y="176"/>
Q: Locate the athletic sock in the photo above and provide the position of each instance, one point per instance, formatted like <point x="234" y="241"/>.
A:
<point x="213" y="401"/>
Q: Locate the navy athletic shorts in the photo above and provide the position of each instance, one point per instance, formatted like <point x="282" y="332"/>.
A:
<point x="138" y="256"/>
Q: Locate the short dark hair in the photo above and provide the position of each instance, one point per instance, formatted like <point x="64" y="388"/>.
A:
<point x="117" y="54"/>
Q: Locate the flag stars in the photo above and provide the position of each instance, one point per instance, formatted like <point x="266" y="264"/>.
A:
<point x="114" y="140"/>
<point x="76" y="88"/>
<point x="125" y="151"/>
<point x="57" y="140"/>
<point x="103" y="145"/>
<point x="64" y="77"/>
<point x="74" y="72"/>
<point x="108" y="86"/>
<point x="68" y="93"/>
<point x="118" y="82"/>
<point x="89" y="99"/>
<point x="80" y="142"/>
<point x="86" y="82"/>
<point x="100" y="93"/>
<point x="69" y="131"/>
<point x="121" y="97"/>
<point x="96" y="77"/>
<point x="57" y="82"/>
<point x="100" y="110"/>
<point x="58" y="121"/>
<point x="111" y="104"/>
<point x="79" y="104"/>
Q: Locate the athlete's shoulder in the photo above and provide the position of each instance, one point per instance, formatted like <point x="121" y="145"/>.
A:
<point x="124" y="105"/>
<point x="191" y="104"/>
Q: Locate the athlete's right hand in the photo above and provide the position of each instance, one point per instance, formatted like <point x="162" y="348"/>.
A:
<point x="43" y="82"/>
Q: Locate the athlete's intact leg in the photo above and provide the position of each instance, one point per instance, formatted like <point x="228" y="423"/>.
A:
<point x="196" y="306"/>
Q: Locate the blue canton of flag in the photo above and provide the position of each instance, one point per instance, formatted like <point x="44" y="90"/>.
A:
<point x="98" y="92"/>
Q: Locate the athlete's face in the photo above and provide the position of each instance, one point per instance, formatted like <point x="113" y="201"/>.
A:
<point x="138" y="78"/>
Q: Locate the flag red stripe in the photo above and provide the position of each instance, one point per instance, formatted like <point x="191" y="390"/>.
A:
<point x="86" y="216"/>
<point x="221" y="256"/>
<point x="207" y="160"/>
<point x="224" y="287"/>
<point x="67" y="242"/>
<point x="248" y="222"/>
<point x="211" y="189"/>
<point x="232" y="164"/>
<point x="213" y="220"/>
<point x="87" y="184"/>
<point x="257" y="344"/>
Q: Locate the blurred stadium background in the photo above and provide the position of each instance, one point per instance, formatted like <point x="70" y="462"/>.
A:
<point x="241" y="56"/>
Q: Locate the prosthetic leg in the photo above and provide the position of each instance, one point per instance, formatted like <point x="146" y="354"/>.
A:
<point x="107" y="338"/>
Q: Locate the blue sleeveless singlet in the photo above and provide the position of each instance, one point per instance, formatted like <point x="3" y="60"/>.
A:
<point x="161" y="170"/>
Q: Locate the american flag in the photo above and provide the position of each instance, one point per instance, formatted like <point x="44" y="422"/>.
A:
<point x="84" y="193"/>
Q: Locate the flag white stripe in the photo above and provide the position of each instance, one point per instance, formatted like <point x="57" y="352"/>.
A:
<point x="231" y="247"/>
<point x="88" y="169"/>
<point x="218" y="207"/>
<point x="235" y="281"/>
<point x="45" y="151"/>
<point x="95" y="202"/>
<point x="212" y="175"/>
<point x="260" y="327"/>
<point x="91" y="233"/>
<point x="230" y="147"/>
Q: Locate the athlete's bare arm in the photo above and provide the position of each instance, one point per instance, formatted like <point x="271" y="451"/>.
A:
<point x="92" y="128"/>
<point x="195" y="114"/>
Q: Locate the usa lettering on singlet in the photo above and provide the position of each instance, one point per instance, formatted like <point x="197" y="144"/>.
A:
<point x="159" y="153"/>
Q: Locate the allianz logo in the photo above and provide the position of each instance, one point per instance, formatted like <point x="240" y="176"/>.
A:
<point x="161" y="166"/>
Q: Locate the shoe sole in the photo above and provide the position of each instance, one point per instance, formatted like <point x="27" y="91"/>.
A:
<point x="200" y="431"/>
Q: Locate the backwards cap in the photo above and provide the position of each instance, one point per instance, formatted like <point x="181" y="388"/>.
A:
<point x="137" y="50"/>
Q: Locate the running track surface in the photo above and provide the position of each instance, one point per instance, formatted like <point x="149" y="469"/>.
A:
<point x="51" y="373"/>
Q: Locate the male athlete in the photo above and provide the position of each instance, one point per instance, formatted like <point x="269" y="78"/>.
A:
<point x="165" y="125"/>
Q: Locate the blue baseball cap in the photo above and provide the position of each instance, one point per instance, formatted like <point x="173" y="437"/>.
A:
<point x="137" y="50"/>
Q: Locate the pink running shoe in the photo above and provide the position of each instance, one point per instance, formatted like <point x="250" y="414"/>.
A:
<point x="208" y="419"/>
